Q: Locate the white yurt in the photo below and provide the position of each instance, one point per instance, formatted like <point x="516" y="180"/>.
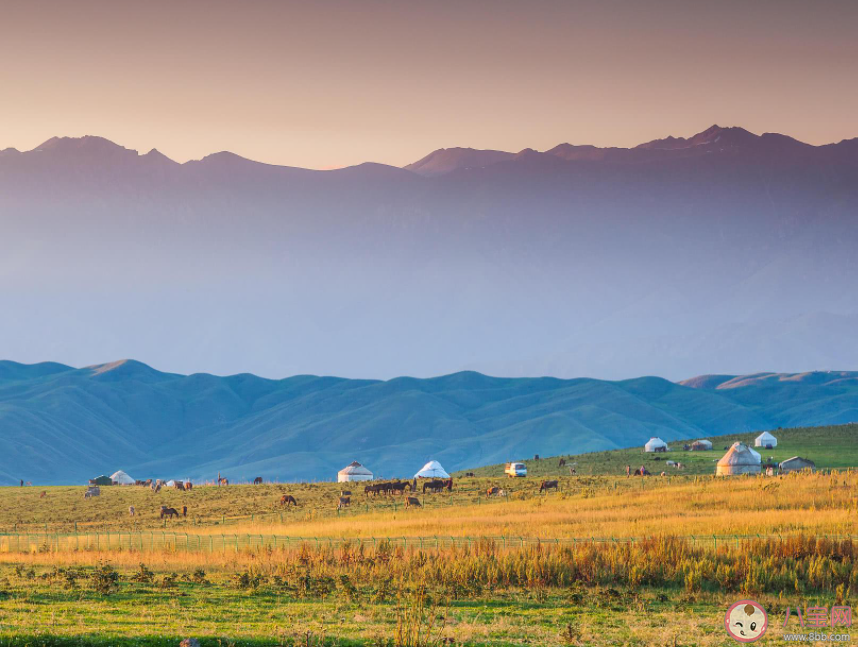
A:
<point x="739" y="459"/>
<point x="656" y="445"/>
<point x="354" y="471"/>
<point x="432" y="470"/>
<point x="121" y="478"/>
<point x="765" y="439"/>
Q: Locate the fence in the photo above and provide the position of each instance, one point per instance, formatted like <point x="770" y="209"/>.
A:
<point x="173" y="541"/>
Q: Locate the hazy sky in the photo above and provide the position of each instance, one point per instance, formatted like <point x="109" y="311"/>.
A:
<point x="335" y="82"/>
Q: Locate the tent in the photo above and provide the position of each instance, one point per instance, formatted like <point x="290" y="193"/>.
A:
<point x="739" y="459"/>
<point x="656" y="445"/>
<point x="432" y="470"/>
<point x="795" y="464"/>
<point x="101" y="480"/>
<point x="121" y="478"/>
<point x="701" y="446"/>
<point x="354" y="471"/>
<point x="765" y="439"/>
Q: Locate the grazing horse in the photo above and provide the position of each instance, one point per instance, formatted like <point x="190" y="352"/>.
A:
<point x="189" y="486"/>
<point x="493" y="491"/>
<point x="222" y="481"/>
<point x="344" y="502"/>
<point x="43" y="495"/>
<point x="562" y="463"/>
<point x="436" y="485"/>
<point x="549" y="485"/>
<point x="180" y="486"/>
<point x="412" y="502"/>
<point x="257" y="480"/>
<point x="399" y="487"/>
<point x="168" y="512"/>
<point x="286" y="499"/>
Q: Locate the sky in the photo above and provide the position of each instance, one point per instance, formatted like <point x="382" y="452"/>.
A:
<point x="340" y="82"/>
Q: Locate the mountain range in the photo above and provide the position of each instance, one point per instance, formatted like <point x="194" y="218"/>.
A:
<point x="62" y="425"/>
<point x="721" y="252"/>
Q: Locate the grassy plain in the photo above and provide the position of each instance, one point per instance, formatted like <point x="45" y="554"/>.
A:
<point x="665" y="590"/>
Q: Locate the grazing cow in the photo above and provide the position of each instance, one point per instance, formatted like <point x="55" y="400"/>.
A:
<point x="131" y="510"/>
<point x="548" y="485"/>
<point x="257" y="480"/>
<point x="562" y="463"/>
<point x="345" y="492"/>
<point x="286" y="499"/>
<point x="169" y="512"/>
<point x="344" y="502"/>
<point x="412" y="502"/>
<point x="43" y="495"/>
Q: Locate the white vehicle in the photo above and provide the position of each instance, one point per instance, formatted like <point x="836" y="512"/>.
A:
<point x="515" y="469"/>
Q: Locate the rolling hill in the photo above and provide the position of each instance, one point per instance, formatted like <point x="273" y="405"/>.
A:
<point x="63" y="425"/>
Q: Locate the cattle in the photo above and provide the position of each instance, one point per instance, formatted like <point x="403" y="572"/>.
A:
<point x="412" y="502"/>
<point x="549" y="485"/>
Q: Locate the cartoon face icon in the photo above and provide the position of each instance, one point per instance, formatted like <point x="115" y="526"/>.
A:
<point x="746" y="621"/>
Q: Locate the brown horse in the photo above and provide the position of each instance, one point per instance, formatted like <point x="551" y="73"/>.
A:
<point x="189" y="486"/>
<point x="344" y="502"/>
<point x="412" y="502"/>
<point x="286" y="499"/>
<point x="436" y="485"/>
<point x="493" y="491"/>
<point x="562" y="463"/>
<point x="548" y="485"/>
<point x="169" y="512"/>
<point x="180" y="486"/>
<point x="257" y="480"/>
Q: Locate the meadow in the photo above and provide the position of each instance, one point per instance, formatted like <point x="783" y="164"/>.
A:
<point x="605" y="560"/>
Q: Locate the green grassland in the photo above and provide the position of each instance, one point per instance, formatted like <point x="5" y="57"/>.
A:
<point x="833" y="447"/>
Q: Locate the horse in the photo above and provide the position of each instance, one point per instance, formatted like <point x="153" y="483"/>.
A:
<point x="345" y="492"/>
<point x="412" y="502"/>
<point x="131" y="510"/>
<point x="549" y="485"/>
<point x="642" y="471"/>
<point x="562" y="463"/>
<point x="399" y="487"/>
<point x="169" y="512"/>
<point x="180" y="486"/>
<point x="436" y="485"/>
<point x="222" y="481"/>
<point x="493" y="491"/>
<point x="43" y="495"/>
<point x="189" y="486"/>
<point x="344" y="502"/>
<point x="286" y="499"/>
<point x="257" y="480"/>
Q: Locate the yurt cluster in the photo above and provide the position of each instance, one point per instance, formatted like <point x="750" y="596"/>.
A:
<point x="741" y="458"/>
<point x="354" y="471"/>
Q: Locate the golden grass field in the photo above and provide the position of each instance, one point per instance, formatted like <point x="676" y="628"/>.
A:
<point x="661" y="589"/>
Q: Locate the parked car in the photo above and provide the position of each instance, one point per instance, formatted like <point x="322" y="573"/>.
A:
<point x="515" y="469"/>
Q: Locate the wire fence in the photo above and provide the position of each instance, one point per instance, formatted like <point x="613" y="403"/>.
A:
<point x="174" y="541"/>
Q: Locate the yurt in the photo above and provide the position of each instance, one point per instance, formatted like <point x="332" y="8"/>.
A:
<point x="655" y="445"/>
<point x="739" y="459"/>
<point x="795" y="464"/>
<point x="121" y="478"/>
<point x="765" y="439"/>
<point x="354" y="471"/>
<point x="701" y="445"/>
<point x="432" y="470"/>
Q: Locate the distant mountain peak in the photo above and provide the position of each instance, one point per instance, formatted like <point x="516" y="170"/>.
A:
<point x="85" y="144"/>
<point x="445" y="160"/>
